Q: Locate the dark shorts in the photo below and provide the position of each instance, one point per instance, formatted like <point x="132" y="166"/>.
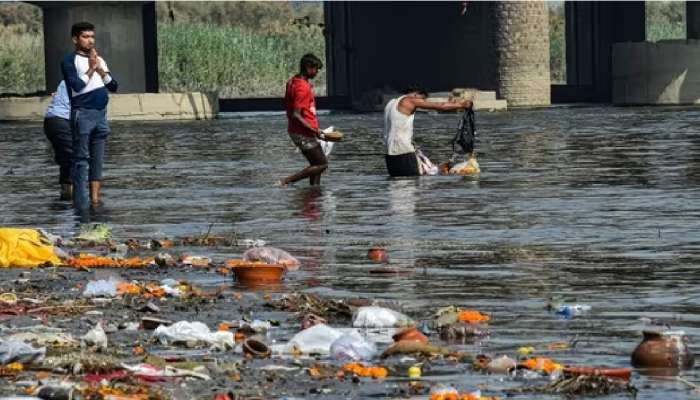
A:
<point x="402" y="165"/>
<point x="58" y="131"/>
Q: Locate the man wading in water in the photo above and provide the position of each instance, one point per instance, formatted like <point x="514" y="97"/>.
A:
<point x="401" y="158"/>
<point x="87" y="79"/>
<point x="302" y="124"/>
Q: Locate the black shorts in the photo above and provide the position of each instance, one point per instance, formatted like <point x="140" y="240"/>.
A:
<point x="402" y="165"/>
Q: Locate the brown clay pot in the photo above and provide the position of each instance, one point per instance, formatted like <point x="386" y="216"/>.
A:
<point x="259" y="273"/>
<point x="411" y="334"/>
<point x="663" y="350"/>
<point x="255" y="348"/>
<point x="377" y="254"/>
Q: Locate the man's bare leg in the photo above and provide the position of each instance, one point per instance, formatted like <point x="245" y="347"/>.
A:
<point x="318" y="162"/>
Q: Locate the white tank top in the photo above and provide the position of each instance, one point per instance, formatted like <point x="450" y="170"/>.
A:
<point x="398" y="129"/>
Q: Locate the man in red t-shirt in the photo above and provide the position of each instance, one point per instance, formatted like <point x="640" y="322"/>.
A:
<point x="302" y="124"/>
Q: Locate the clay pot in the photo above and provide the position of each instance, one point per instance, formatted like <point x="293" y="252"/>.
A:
<point x="616" y="373"/>
<point x="259" y="273"/>
<point x="255" y="348"/>
<point x="410" y="334"/>
<point x="377" y="254"/>
<point x="663" y="350"/>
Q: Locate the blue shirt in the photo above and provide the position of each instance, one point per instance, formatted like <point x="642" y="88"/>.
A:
<point x="60" y="103"/>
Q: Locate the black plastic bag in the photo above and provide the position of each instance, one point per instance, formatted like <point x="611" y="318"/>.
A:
<point x="463" y="142"/>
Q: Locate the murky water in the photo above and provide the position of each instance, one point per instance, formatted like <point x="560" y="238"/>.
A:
<point x="594" y="205"/>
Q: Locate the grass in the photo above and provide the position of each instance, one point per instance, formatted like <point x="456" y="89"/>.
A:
<point x="21" y="60"/>
<point x="233" y="61"/>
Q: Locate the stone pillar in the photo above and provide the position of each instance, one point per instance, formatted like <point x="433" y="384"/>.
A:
<point x="521" y="45"/>
<point x="125" y="36"/>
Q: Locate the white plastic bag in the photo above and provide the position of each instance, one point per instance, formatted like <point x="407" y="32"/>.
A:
<point x="352" y="346"/>
<point x="379" y="317"/>
<point x="17" y="351"/>
<point x="425" y="166"/>
<point x="95" y="337"/>
<point x="184" y="331"/>
<point x="327" y="146"/>
<point x="315" y="340"/>
<point x="102" y="288"/>
<point x="271" y="255"/>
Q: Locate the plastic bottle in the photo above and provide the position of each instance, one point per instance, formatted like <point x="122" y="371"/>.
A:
<point x="570" y="310"/>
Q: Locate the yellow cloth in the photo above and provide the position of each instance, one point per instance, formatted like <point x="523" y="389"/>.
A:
<point x="24" y="248"/>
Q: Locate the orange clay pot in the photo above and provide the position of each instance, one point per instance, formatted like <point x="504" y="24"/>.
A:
<point x="410" y="334"/>
<point x="377" y="254"/>
<point x="616" y="373"/>
<point x="259" y="273"/>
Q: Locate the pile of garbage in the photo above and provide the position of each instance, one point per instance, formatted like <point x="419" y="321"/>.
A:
<point x="116" y="324"/>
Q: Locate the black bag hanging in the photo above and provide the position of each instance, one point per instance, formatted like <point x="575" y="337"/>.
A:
<point x="463" y="142"/>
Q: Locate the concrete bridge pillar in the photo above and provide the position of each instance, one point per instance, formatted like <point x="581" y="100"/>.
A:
<point x="521" y="45"/>
<point x="125" y="36"/>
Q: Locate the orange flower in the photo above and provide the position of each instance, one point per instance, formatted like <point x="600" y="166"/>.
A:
<point x="89" y="261"/>
<point x="128" y="288"/>
<point x="445" y="396"/>
<point x="224" y="327"/>
<point x="541" y="364"/>
<point x="472" y="316"/>
<point x="360" y="370"/>
<point x="152" y="290"/>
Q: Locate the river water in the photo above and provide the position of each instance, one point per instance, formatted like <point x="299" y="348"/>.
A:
<point x="591" y="205"/>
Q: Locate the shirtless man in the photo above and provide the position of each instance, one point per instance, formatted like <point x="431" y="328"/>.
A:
<point x="400" y="153"/>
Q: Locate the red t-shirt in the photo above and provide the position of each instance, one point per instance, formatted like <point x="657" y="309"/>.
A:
<point x="300" y="94"/>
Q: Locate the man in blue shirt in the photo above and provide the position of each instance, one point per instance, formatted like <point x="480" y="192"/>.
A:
<point x="87" y="78"/>
<point x="57" y="130"/>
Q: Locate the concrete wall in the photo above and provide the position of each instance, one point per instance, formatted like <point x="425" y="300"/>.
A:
<point x="521" y="47"/>
<point x="667" y="72"/>
<point x="142" y="106"/>
<point x="125" y="38"/>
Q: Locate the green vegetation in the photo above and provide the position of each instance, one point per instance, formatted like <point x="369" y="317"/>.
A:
<point x="21" y="60"/>
<point x="557" y="42"/>
<point x="240" y="49"/>
<point x="665" y="20"/>
<point x="236" y="62"/>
